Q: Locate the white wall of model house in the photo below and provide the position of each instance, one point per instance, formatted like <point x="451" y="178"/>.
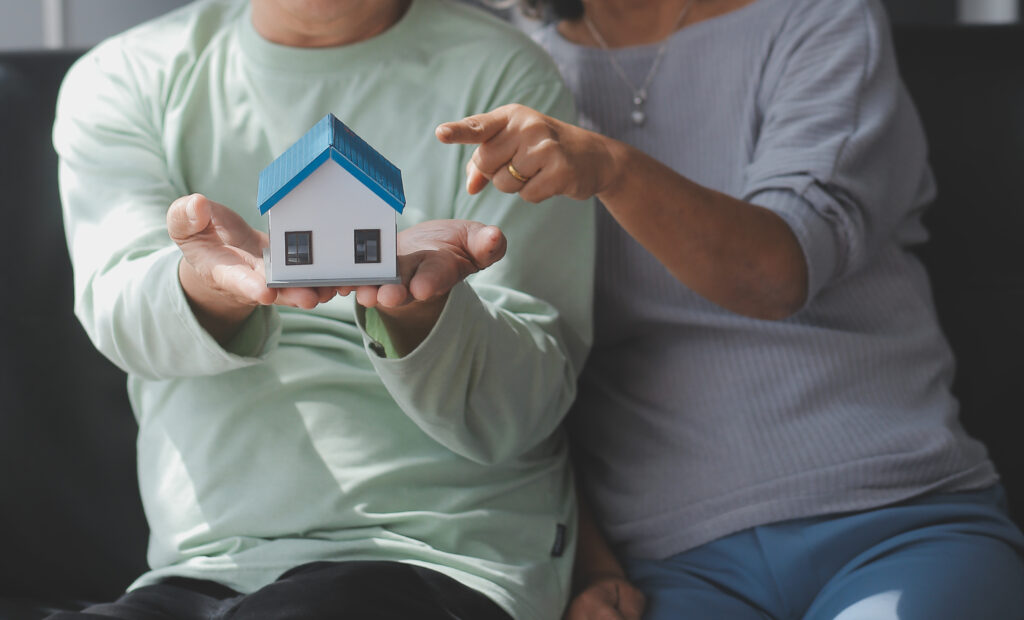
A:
<point x="332" y="204"/>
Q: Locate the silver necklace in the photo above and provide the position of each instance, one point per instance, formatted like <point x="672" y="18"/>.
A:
<point x="639" y="94"/>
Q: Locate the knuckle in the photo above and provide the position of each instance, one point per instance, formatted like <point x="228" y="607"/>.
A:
<point x="549" y="149"/>
<point x="505" y="183"/>
<point x="541" y="125"/>
<point x="532" y="195"/>
<point x="556" y="167"/>
<point x="487" y="161"/>
<point x="534" y="126"/>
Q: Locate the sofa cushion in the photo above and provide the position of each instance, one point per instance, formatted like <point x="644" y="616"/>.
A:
<point x="71" y="524"/>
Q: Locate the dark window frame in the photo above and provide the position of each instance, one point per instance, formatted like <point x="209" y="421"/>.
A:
<point x="298" y="257"/>
<point x="360" y="237"/>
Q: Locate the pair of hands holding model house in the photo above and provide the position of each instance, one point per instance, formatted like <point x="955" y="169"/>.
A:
<point x="223" y="274"/>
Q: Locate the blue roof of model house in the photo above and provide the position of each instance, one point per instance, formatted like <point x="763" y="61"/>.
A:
<point x="330" y="138"/>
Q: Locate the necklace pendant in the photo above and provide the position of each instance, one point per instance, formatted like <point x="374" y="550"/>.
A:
<point x="637" y="115"/>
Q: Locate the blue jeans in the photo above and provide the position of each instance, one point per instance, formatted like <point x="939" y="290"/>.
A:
<point x="956" y="556"/>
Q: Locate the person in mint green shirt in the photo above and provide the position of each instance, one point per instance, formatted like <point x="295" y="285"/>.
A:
<point x="388" y="452"/>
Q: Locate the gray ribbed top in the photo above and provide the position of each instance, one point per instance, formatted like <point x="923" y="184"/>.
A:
<point x="693" y="422"/>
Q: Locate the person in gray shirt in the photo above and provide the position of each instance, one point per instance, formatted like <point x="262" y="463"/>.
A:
<point x="765" y="426"/>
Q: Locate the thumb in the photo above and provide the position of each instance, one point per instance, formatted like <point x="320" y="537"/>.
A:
<point x="487" y="244"/>
<point x="188" y="216"/>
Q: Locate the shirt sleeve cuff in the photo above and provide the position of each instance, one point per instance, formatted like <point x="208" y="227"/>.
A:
<point x="445" y="331"/>
<point x="256" y="338"/>
<point x="813" y="231"/>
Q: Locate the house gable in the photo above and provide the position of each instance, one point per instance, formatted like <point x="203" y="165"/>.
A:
<point x="330" y="139"/>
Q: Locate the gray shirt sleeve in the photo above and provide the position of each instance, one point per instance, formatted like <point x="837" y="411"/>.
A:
<point x="837" y="136"/>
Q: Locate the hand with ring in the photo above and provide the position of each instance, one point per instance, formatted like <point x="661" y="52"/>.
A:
<point x="523" y="151"/>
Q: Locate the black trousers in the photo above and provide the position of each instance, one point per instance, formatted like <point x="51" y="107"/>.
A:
<point x="317" y="591"/>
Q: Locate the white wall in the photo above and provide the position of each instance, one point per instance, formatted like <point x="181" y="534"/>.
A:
<point x="21" y="24"/>
<point x="75" y="23"/>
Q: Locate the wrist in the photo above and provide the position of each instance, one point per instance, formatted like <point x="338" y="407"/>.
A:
<point x="612" y="179"/>
<point x="583" y="580"/>
<point x="219" y="314"/>
<point x="409" y="325"/>
<point x="593" y="567"/>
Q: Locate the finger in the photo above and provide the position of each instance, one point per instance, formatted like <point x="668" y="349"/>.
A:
<point x="232" y="229"/>
<point x="476" y="181"/>
<point x="299" y="296"/>
<point x="326" y="293"/>
<point x="434" y="276"/>
<point x="487" y="245"/>
<point x="517" y="165"/>
<point x="241" y="282"/>
<point x="392" y="295"/>
<point x="588" y="609"/>
<point x="366" y="296"/>
<point x="493" y="157"/>
<point x="188" y="216"/>
<point x="632" y="604"/>
<point x="255" y="276"/>
<point x="504" y="180"/>
<point x="475" y="129"/>
<point x="547" y="182"/>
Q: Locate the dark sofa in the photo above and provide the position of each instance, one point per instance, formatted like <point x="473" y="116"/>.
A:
<point x="71" y="525"/>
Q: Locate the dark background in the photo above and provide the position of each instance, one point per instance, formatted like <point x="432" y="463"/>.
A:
<point x="921" y="11"/>
<point x="902" y="12"/>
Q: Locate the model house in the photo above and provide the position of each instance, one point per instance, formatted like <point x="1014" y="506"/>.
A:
<point x="332" y="202"/>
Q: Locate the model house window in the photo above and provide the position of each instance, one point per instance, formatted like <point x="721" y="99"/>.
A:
<point x="298" y="248"/>
<point x="368" y="246"/>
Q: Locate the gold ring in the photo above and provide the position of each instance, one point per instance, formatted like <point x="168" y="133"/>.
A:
<point x="518" y="176"/>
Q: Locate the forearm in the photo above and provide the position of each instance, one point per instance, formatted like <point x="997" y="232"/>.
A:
<point x="138" y="316"/>
<point x="601" y="588"/>
<point x="594" y="557"/>
<point x="738" y="255"/>
<point x="495" y="373"/>
<point x="488" y="383"/>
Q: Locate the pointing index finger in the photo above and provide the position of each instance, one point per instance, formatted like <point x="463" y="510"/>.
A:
<point x="475" y="129"/>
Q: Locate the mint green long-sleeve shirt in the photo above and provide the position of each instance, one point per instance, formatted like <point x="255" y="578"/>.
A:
<point x="295" y="442"/>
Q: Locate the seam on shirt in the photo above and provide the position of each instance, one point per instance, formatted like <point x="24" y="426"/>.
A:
<point x="783" y="28"/>
<point x="822" y="202"/>
<point x="861" y="87"/>
<point x="155" y="110"/>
